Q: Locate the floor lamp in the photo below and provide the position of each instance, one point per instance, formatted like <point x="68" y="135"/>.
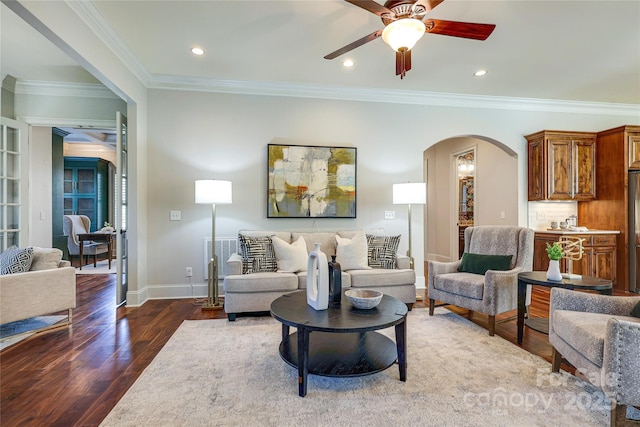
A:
<point x="212" y="191"/>
<point x="410" y="193"/>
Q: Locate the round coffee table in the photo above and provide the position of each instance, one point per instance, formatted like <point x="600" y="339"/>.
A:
<point x="584" y="283"/>
<point x="343" y="343"/>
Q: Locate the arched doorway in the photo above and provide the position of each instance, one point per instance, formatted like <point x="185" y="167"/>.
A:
<point x="495" y="190"/>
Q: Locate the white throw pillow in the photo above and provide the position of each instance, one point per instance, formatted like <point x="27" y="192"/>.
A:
<point x="352" y="254"/>
<point x="292" y="257"/>
<point x="45" y="258"/>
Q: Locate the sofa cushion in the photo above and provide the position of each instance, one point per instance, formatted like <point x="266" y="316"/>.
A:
<point x="480" y="263"/>
<point x="585" y="332"/>
<point x="45" y="258"/>
<point x="302" y="279"/>
<point x="381" y="277"/>
<point x="291" y="258"/>
<point x="261" y="282"/>
<point x="352" y="253"/>
<point x="16" y="260"/>
<point x="327" y="241"/>
<point x="382" y="251"/>
<point x="257" y="254"/>
<point x="464" y="284"/>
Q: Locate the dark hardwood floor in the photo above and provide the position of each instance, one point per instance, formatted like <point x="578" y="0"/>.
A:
<point x="75" y="376"/>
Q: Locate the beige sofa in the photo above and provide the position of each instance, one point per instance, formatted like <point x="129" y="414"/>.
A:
<point x="49" y="287"/>
<point x="255" y="291"/>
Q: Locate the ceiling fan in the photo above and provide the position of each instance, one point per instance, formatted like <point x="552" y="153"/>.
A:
<point x="405" y="23"/>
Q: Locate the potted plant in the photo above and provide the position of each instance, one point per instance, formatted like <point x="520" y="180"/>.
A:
<point x="554" y="251"/>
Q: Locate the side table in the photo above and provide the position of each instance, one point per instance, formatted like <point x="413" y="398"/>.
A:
<point x="539" y="278"/>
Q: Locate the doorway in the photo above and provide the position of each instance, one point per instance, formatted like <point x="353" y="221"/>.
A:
<point x="494" y="188"/>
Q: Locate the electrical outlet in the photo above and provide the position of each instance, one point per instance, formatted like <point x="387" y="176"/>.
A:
<point x="502" y="215"/>
<point x="188" y="272"/>
<point x="540" y="216"/>
<point x="389" y="214"/>
<point x="175" y="215"/>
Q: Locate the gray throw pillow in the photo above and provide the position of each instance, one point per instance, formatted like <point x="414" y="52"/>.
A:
<point x="16" y="260"/>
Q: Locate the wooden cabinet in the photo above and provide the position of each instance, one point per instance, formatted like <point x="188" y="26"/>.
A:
<point x="598" y="260"/>
<point x="618" y="150"/>
<point x="561" y="165"/>
<point x="633" y="140"/>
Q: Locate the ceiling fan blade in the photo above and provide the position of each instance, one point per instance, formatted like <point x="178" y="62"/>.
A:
<point x="371" y="6"/>
<point x="428" y="4"/>
<point x="353" y="45"/>
<point x="465" y="30"/>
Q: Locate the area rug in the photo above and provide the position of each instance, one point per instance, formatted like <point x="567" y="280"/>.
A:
<point x="14" y="332"/>
<point x="102" y="267"/>
<point x="221" y="373"/>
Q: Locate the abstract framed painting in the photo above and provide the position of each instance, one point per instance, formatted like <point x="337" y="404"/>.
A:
<point x="311" y="182"/>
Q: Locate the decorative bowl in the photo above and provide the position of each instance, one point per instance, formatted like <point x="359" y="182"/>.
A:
<point x="364" y="299"/>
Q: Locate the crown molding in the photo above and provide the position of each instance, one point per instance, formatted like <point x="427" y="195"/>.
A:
<point x="79" y="90"/>
<point x="440" y="99"/>
<point x="88" y="13"/>
<point x="92" y="16"/>
<point x="68" y="122"/>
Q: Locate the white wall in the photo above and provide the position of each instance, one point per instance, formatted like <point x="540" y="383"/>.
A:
<point x="195" y="135"/>
<point x="40" y="227"/>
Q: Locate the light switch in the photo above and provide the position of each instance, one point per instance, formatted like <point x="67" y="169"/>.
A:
<point x="389" y="214"/>
<point x="176" y="215"/>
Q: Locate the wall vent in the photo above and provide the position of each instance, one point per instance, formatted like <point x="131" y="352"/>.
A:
<point x="225" y="246"/>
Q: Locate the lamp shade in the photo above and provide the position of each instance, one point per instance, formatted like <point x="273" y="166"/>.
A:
<point x="403" y="33"/>
<point x="210" y="191"/>
<point x="410" y="193"/>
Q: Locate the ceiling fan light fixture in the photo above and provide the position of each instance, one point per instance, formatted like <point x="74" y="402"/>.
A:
<point x="403" y="34"/>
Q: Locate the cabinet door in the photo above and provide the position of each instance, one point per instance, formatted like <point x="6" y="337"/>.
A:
<point x="603" y="261"/>
<point x="560" y="169"/>
<point x="536" y="170"/>
<point x="634" y="150"/>
<point x="584" y="172"/>
<point x="540" y="257"/>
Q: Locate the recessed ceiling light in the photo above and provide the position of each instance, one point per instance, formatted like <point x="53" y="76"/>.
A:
<point x="480" y="73"/>
<point x="197" y="50"/>
<point x="348" y="63"/>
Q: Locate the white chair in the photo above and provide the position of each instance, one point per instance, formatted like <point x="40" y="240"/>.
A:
<point x="81" y="224"/>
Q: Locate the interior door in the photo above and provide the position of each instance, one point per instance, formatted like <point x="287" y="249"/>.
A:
<point x="121" y="210"/>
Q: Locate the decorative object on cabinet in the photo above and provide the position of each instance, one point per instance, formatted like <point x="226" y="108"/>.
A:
<point x="311" y="182"/>
<point x="572" y="250"/>
<point x="212" y="191"/>
<point x="617" y="152"/>
<point x="409" y="193"/>
<point x="561" y="165"/>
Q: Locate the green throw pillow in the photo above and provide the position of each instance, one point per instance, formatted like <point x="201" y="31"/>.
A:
<point x="479" y="264"/>
<point x="636" y="310"/>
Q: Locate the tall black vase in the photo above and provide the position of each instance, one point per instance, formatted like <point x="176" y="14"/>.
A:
<point x="335" y="281"/>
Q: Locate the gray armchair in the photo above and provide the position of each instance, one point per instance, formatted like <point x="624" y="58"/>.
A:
<point x="493" y="292"/>
<point x="81" y="224"/>
<point x="598" y="336"/>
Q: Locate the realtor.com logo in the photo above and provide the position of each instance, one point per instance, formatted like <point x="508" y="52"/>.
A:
<point x="500" y="399"/>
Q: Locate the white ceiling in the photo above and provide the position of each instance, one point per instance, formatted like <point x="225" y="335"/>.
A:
<point x="561" y="50"/>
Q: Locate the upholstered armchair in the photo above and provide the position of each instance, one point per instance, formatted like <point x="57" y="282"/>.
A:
<point x="600" y="337"/>
<point x="81" y="224"/>
<point x="464" y="283"/>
